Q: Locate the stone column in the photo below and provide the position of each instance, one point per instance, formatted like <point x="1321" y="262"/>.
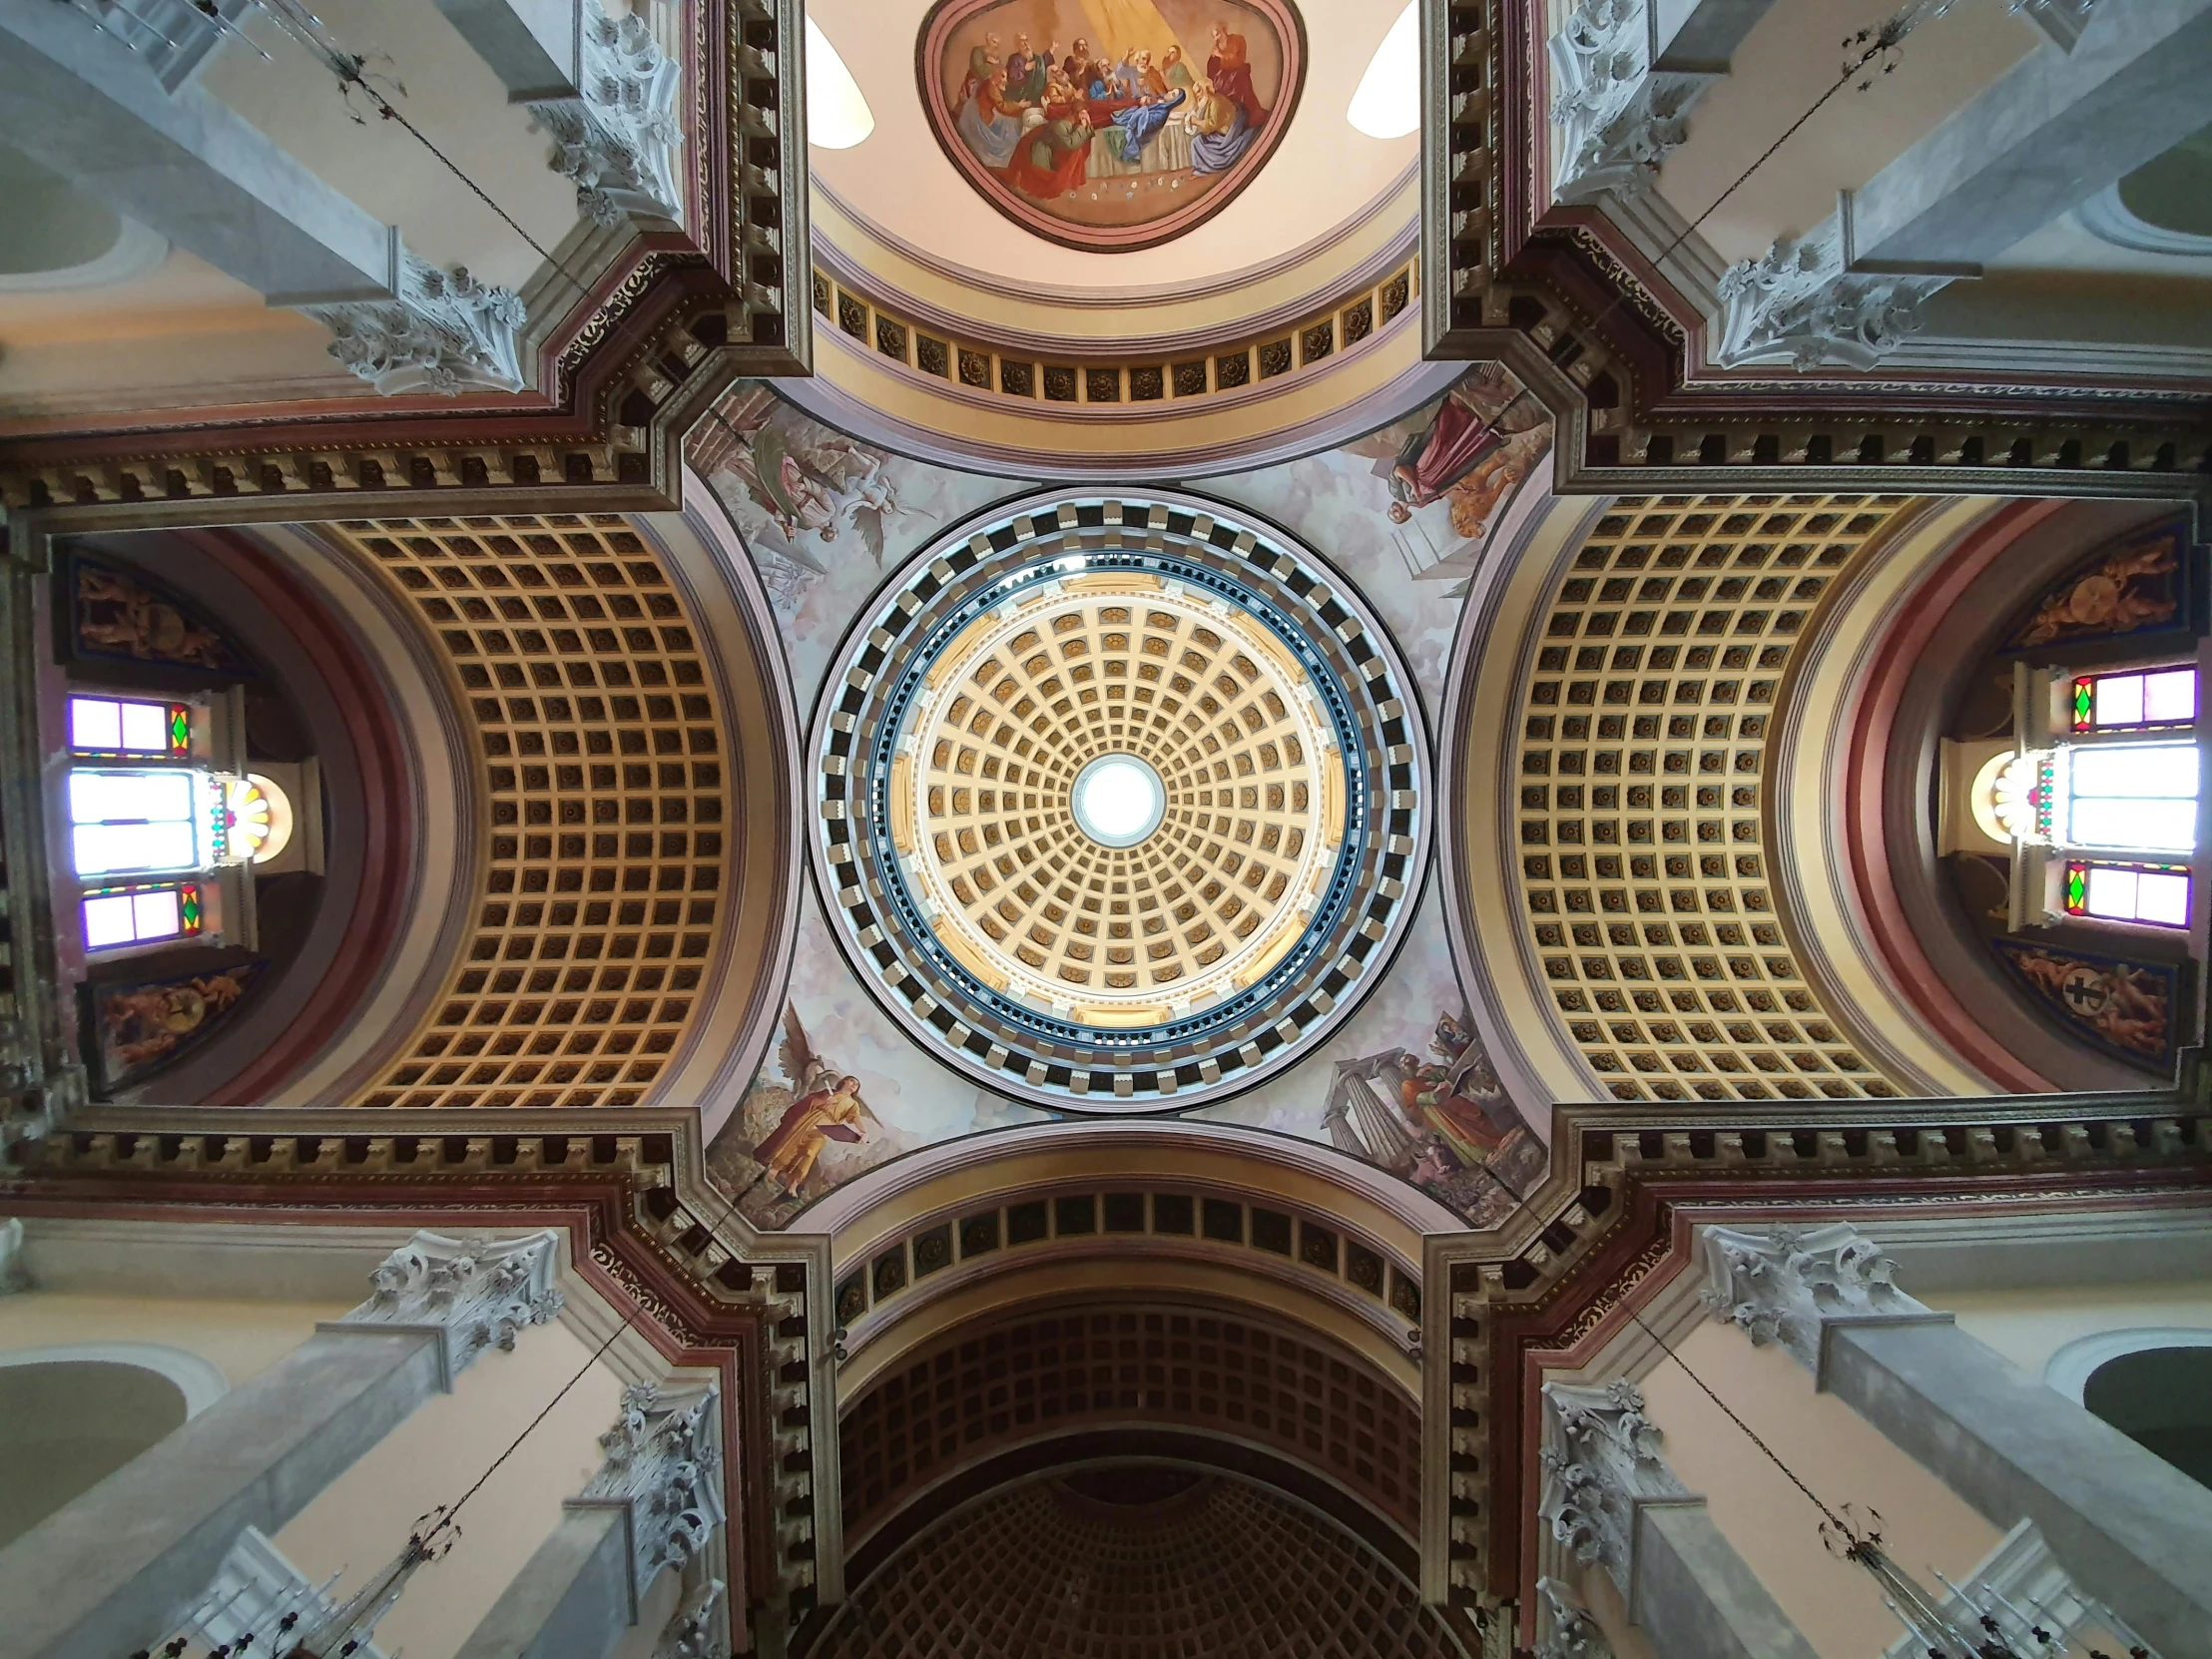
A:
<point x="1612" y="1502"/>
<point x="2130" y="1527"/>
<point x="117" y="1569"/>
<point x="652" y="1505"/>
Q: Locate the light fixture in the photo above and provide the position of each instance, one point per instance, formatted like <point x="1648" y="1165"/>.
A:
<point x="1388" y="104"/>
<point x="837" y="116"/>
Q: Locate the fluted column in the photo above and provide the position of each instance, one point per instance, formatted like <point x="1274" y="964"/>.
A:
<point x="2130" y="1527"/>
<point x="653" y="1503"/>
<point x="115" y="1570"/>
<point x="1612" y="1502"/>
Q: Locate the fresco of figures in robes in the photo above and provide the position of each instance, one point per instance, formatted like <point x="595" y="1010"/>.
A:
<point x="1110" y="125"/>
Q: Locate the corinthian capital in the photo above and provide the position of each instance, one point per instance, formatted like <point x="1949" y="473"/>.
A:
<point x="472" y="1294"/>
<point x="1792" y="1285"/>
<point x="662" y="1467"/>
<point x="1600" y="1459"/>
<point x="441" y="332"/>
<point x="1803" y="305"/>
<point x="1617" y="118"/>
<point x="618" y="140"/>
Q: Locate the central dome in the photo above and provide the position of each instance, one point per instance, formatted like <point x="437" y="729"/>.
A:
<point x="1119" y="800"/>
<point x="1055" y="734"/>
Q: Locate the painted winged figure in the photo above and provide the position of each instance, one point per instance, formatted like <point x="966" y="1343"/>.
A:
<point x="825" y="1106"/>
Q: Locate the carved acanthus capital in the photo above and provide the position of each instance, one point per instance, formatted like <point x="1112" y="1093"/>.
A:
<point x="1802" y="304"/>
<point x="472" y="1294"/>
<point x="1602" y="1464"/>
<point x="699" y="1628"/>
<point x="1564" y="1628"/>
<point x="619" y="138"/>
<point x="441" y="331"/>
<point x="662" y="1467"/>
<point x="1792" y="1285"/>
<point x="1618" y="118"/>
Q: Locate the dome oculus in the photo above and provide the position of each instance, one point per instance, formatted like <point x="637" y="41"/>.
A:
<point x="1119" y="801"/>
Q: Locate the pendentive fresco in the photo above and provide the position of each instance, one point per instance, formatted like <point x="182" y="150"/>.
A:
<point x="1406" y="515"/>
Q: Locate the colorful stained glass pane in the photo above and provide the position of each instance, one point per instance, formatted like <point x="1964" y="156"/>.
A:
<point x="180" y="729"/>
<point x="2077" y="888"/>
<point x="188" y="909"/>
<point x="2084" y="704"/>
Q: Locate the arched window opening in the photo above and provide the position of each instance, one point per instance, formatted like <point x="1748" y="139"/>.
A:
<point x="71" y="1424"/>
<point x="2094" y="798"/>
<point x="163" y="820"/>
<point x="2161" y="1398"/>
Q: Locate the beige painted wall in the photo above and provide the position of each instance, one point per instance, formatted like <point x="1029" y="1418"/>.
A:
<point x="240" y="1339"/>
<point x="1773" y="1525"/>
<point x="2029" y="1327"/>
<point x="363" y="1517"/>
<point x="1790" y="58"/>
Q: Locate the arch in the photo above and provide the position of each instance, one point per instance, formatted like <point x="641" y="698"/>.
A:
<point x="2070" y="1367"/>
<point x="78" y="1411"/>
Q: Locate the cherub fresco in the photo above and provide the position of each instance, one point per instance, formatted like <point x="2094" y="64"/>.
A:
<point x="2125" y="1008"/>
<point x="136" y="1028"/>
<point x="826" y="489"/>
<point x="120" y="617"/>
<point x="2126" y="588"/>
<point x="770" y="1158"/>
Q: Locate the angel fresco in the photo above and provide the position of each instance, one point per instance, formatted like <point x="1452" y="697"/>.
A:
<point x="819" y="488"/>
<point x="817" y="1106"/>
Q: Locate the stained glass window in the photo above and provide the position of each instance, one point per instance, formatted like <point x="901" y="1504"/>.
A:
<point x="2137" y="700"/>
<point x="128" y="727"/>
<point x="116" y="917"/>
<point x="2132" y="794"/>
<point x="2154" y="893"/>
<point x="123" y="823"/>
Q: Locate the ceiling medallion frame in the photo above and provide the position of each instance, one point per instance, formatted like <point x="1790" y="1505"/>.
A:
<point x="1251" y="934"/>
<point x="940" y="115"/>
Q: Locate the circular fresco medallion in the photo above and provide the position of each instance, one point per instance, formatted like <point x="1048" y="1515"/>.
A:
<point x="1110" y="126"/>
<point x="1120" y="800"/>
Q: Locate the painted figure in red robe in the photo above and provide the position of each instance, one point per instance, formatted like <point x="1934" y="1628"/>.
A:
<point x="1230" y="71"/>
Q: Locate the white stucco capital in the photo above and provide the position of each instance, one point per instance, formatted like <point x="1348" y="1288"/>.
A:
<point x="1796" y="1284"/>
<point x="472" y="1294"/>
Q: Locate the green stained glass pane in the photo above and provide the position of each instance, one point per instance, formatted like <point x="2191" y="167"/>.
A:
<point x="2083" y="701"/>
<point x="180" y="729"/>
<point x="188" y="909"/>
<point x="2077" y="886"/>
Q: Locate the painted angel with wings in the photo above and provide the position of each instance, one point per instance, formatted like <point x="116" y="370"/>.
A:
<point x="825" y="1106"/>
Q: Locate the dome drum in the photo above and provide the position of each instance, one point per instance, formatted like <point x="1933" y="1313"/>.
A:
<point x="1254" y="718"/>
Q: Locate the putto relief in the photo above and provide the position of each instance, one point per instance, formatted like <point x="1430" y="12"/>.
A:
<point x="1110" y="125"/>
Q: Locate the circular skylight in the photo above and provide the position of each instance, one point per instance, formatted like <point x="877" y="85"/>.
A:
<point x="1118" y="800"/>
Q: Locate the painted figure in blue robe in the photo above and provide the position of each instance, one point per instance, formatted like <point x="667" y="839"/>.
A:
<point x="1133" y="129"/>
<point x="989" y="123"/>
<point x="1223" y="134"/>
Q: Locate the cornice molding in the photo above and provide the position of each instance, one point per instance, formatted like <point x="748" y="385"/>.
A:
<point x="644" y="1229"/>
<point x="1610" y="1222"/>
<point x="677" y="317"/>
<point x="1502" y="274"/>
